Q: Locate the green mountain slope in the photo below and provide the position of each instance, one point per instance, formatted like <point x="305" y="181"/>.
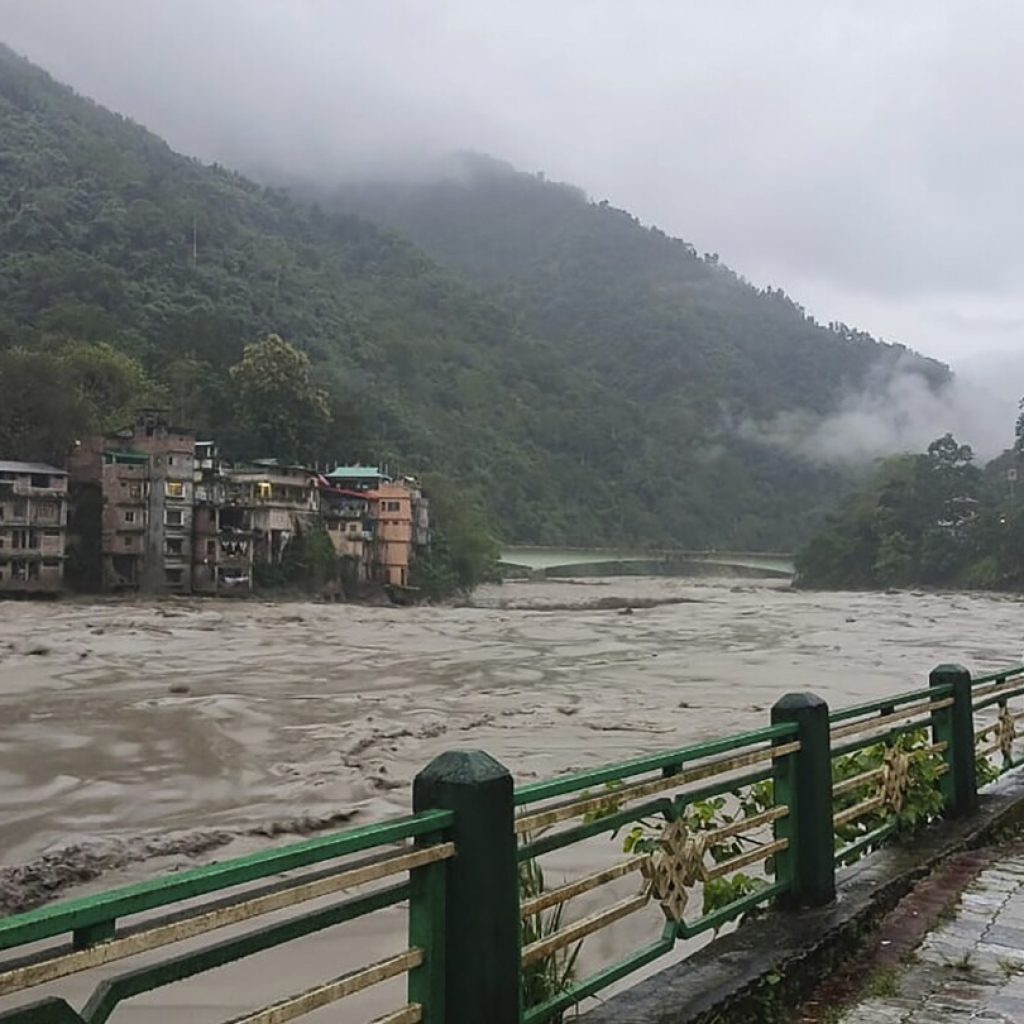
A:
<point x="576" y="371"/>
<point x="628" y="300"/>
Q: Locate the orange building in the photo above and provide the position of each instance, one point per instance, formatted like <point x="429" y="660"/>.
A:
<point x="391" y="505"/>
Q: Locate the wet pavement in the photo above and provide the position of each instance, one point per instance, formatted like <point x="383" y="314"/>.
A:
<point x="969" y="968"/>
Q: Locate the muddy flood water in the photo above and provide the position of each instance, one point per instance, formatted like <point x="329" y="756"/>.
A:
<point x="142" y="737"/>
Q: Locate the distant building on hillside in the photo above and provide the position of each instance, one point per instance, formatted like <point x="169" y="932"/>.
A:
<point x="33" y="526"/>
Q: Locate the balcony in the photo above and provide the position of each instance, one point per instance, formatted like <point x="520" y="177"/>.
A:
<point x="23" y="488"/>
<point x="8" y="554"/>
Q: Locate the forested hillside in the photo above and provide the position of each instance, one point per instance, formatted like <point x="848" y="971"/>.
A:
<point x="580" y="374"/>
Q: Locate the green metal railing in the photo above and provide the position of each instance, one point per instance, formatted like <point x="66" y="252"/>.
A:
<point x="998" y="733"/>
<point x="660" y="787"/>
<point x="703" y="835"/>
<point x="416" y="847"/>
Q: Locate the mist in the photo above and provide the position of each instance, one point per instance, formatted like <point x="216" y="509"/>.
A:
<point x="900" y="411"/>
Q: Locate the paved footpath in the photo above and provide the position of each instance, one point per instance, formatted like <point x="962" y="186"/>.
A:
<point x="970" y="968"/>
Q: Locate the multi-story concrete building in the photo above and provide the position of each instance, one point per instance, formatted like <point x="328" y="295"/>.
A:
<point x="284" y="500"/>
<point x="395" y="521"/>
<point x="393" y="534"/>
<point x="222" y="527"/>
<point x="171" y="451"/>
<point x="142" y="480"/>
<point x="33" y="525"/>
<point x="345" y="515"/>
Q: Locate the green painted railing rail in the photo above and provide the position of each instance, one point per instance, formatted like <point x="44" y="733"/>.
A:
<point x="689" y="840"/>
<point x="105" y="908"/>
<point x="669" y="760"/>
<point x="416" y="846"/>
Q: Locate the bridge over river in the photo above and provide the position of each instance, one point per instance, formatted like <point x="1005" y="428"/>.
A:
<point x="567" y="561"/>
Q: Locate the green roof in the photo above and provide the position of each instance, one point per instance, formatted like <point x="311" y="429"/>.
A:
<point x="126" y="456"/>
<point x="356" y="473"/>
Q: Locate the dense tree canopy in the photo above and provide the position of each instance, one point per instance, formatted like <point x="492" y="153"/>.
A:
<point x="932" y="519"/>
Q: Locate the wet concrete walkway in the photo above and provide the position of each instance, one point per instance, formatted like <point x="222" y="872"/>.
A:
<point x="969" y="968"/>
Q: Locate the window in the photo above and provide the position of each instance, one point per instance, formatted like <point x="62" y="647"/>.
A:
<point x="51" y="533"/>
<point x="173" y="545"/>
<point x="173" y="576"/>
<point x="392" y="506"/>
<point x="170" y="460"/>
<point x="353" y="527"/>
<point x="135" y="492"/>
<point x="175" y="489"/>
<point x="129" y="517"/>
<point x="126" y="541"/>
<point x="40" y="480"/>
<point x="20" y="508"/>
<point x="211" y="549"/>
<point x="174" y="517"/>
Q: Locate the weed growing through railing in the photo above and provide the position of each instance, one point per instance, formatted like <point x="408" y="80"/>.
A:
<point x="922" y="799"/>
<point x="985" y="771"/>
<point x="553" y="974"/>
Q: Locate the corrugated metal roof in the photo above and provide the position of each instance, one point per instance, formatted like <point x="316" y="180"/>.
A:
<point x="356" y="473"/>
<point x="30" y="467"/>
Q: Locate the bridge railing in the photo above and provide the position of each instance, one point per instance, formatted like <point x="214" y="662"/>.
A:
<point x="105" y="929"/>
<point x="677" y="845"/>
<point x="997" y="732"/>
<point x="669" y="850"/>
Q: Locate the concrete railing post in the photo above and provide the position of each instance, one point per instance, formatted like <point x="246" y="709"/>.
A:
<point x="954" y="726"/>
<point x="803" y="781"/>
<point x="482" y="936"/>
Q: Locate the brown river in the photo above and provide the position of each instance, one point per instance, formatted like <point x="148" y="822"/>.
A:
<point x="143" y="737"/>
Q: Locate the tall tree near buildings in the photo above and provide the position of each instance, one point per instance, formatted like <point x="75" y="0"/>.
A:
<point x="277" y="401"/>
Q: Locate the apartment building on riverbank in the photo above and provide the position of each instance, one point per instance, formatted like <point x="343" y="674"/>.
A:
<point x="223" y="533"/>
<point x="151" y="509"/>
<point x="33" y="527"/>
<point x="375" y="520"/>
<point x="132" y="494"/>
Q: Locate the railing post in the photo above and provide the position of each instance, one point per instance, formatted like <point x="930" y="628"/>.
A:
<point x="481" y="928"/>
<point x="427" y="901"/>
<point x="803" y="780"/>
<point x="954" y="726"/>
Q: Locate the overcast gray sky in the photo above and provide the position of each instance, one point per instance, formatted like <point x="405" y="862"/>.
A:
<point x="867" y="157"/>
